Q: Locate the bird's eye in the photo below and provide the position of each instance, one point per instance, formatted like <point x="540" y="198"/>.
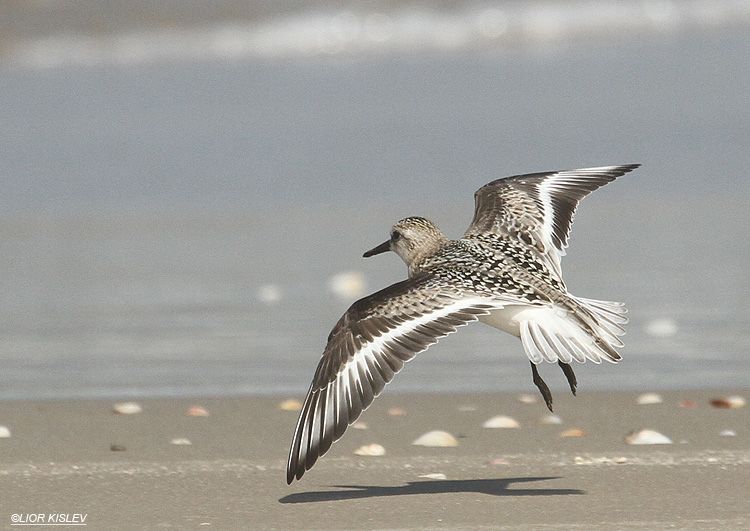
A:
<point x="396" y="235"/>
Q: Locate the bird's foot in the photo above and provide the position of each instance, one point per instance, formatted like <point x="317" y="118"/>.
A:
<point x="542" y="385"/>
<point x="570" y="375"/>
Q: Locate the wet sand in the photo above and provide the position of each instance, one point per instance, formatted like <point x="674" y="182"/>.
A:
<point x="123" y="472"/>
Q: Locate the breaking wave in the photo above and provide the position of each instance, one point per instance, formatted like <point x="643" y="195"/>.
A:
<point x="397" y="29"/>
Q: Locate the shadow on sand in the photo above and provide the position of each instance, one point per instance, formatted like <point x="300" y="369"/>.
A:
<point x="493" y="487"/>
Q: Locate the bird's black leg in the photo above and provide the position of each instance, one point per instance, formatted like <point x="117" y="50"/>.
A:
<point x="542" y="386"/>
<point x="570" y="375"/>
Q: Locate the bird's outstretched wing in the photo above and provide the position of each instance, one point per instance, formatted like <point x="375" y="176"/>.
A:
<point x="537" y="208"/>
<point x="366" y="348"/>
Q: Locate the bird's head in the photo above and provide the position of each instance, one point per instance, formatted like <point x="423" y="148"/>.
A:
<point x="413" y="239"/>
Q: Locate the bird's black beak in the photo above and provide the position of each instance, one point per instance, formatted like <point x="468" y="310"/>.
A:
<point x="382" y="248"/>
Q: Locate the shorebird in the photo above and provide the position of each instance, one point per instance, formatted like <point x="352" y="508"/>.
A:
<point x="504" y="271"/>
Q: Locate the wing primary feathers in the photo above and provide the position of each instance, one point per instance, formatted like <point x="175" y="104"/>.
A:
<point x="538" y="208"/>
<point x="367" y="347"/>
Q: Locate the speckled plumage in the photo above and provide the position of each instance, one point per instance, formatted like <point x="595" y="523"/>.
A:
<point x="505" y="272"/>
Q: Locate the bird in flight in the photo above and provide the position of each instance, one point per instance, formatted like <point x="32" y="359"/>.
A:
<point x="504" y="271"/>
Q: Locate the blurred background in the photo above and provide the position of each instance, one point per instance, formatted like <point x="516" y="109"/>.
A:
<point x="187" y="186"/>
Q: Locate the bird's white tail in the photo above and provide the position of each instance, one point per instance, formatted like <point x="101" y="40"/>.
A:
<point x="588" y="330"/>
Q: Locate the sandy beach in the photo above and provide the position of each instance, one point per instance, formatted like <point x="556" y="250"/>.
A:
<point x="125" y="472"/>
<point x="185" y="184"/>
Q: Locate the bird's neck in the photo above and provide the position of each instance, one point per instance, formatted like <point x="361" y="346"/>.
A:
<point x="424" y="258"/>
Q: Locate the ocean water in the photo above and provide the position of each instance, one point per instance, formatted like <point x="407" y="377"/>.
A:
<point x="172" y="211"/>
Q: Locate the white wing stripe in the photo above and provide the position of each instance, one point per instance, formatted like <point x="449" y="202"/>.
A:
<point x="548" y="213"/>
<point x="366" y="355"/>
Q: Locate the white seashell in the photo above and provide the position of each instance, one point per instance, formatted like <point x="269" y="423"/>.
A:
<point x="647" y="437"/>
<point x="501" y="421"/>
<point x="196" y="411"/>
<point x="434" y="476"/>
<point x="649" y="398"/>
<point x="372" y="450"/>
<point x="728" y="433"/>
<point x="728" y="402"/>
<point x="4" y="432"/>
<point x="527" y="399"/>
<point x="436" y="438"/>
<point x="127" y="408"/>
<point x="347" y="285"/>
<point x="396" y="411"/>
<point x="573" y="432"/>
<point x="550" y="419"/>
<point x="269" y="293"/>
<point x="359" y="425"/>
<point x="291" y="404"/>
<point x="664" y="327"/>
<point x="180" y="441"/>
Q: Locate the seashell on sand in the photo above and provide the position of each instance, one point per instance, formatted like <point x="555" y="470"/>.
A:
<point x="292" y="404"/>
<point x="370" y="450"/>
<point x="499" y="461"/>
<point x="550" y="419"/>
<point x="573" y="432"/>
<point x="501" y="421"/>
<point x="4" y="432"/>
<point x="728" y="402"/>
<point x="180" y="441"/>
<point x="728" y="433"/>
<point x="127" y="408"/>
<point x="436" y="438"/>
<point x="647" y="437"/>
<point x="196" y="411"/>
<point x="396" y="411"/>
<point x="649" y="398"/>
<point x="359" y="425"/>
<point x="437" y="475"/>
<point x="527" y="399"/>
